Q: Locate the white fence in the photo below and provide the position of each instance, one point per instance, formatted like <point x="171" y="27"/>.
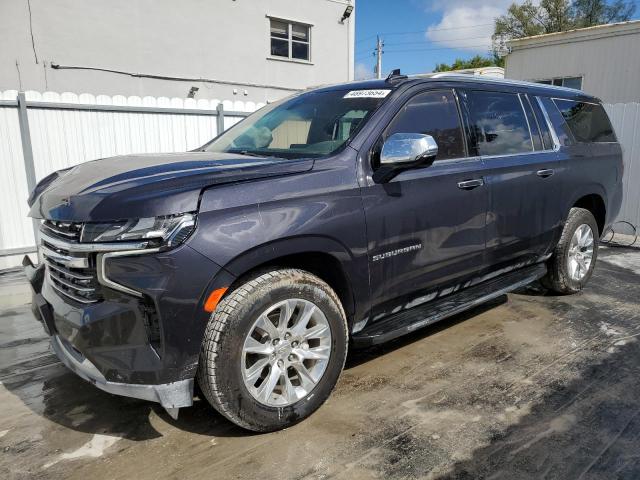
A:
<point x="41" y="133"/>
<point x="626" y="122"/>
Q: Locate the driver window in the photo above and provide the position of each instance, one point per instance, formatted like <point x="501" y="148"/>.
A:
<point x="432" y="113"/>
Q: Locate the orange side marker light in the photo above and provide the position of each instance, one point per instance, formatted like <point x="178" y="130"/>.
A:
<point x="214" y="297"/>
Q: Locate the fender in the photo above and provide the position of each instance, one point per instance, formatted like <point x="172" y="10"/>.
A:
<point x="355" y="274"/>
<point x="583" y="191"/>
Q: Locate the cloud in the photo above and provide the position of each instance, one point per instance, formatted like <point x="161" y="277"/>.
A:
<point x="362" y="72"/>
<point x="465" y="24"/>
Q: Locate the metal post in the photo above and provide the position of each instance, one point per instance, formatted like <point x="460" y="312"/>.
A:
<point x="27" y="153"/>
<point x="220" y="119"/>
<point x="379" y="46"/>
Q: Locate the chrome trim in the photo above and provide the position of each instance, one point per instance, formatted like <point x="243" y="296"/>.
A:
<point x="104" y="251"/>
<point x="69" y="273"/>
<point x="545" y="114"/>
<point x="469" y="184"/>
<point x="60" y="232"/>
<point x="101" y="269"/>
<point x="68" y="294"/>
<point x="72" y="262"/>
<point x="66" y="283"/>
<point x="93" y="247"/>
<point x="526" y="117"/>
<point x="574" y="101"/>
<point x="170" y="395"/>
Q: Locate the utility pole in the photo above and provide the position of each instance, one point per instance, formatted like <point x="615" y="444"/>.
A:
<point x="379" y="46"/>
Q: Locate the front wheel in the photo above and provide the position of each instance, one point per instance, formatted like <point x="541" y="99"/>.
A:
<point x="273" y="350"/>
<point x="574" y="258"/>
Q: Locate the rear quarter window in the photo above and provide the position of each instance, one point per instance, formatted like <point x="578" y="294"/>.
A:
<point x="588" y="122"/>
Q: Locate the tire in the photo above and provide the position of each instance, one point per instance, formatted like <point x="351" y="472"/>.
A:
<point x="237" y="324"/>
<point x="561" y="278"/>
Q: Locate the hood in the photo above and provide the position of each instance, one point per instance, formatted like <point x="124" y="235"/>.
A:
<point x="135" y="186"/>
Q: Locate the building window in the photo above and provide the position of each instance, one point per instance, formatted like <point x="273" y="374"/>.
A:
<point x="569" y="82"/>
<point x="290" y="40"/>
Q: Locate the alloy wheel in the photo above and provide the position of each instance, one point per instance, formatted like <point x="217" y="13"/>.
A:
<point x="580" y="253"/>
<point x="286" y="352"/>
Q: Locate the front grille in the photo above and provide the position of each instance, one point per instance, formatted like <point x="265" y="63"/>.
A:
<point x="68" y="231"/>
<point x="72" y="275"/>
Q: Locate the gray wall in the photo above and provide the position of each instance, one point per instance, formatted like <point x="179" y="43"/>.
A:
<point x="225" y="40"/>
<point x="607" y="57"/>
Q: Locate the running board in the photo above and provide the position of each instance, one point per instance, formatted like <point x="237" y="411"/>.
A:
<point x="415" y="318"/>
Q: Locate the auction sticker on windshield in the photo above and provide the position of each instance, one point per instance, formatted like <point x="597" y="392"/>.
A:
<point x="367" y="94"/>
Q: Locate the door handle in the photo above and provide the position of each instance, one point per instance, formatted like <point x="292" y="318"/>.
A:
<point x="545" y="172"/>
<point x="471" y="184"/>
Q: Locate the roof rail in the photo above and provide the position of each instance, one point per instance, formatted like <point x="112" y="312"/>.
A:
<point x="486" y="79"/>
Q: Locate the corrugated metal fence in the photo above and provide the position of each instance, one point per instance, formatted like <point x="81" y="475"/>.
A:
<point x="44" y="132"/>
<point x="626" y="122"/>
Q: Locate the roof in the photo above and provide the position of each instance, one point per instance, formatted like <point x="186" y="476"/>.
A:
<point x="452" y="77"/>
<point x="578" y="34"/>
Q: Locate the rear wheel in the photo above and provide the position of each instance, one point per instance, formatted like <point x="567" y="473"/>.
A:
<point x="273" y="350"/>
<point x="574" y="258"/>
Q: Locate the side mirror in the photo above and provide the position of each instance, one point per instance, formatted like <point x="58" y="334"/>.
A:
<point x="402" y="151"/>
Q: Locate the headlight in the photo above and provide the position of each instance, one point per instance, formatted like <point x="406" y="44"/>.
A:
<point x="168" y="230"/>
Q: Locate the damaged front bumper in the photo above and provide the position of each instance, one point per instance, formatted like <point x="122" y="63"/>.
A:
<point x="143" y="346"/>
<point x="171" y="396"/>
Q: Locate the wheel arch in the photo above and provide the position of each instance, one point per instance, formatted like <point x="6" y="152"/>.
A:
<point x="596" y="205"/>
<point x="324" y="257"/>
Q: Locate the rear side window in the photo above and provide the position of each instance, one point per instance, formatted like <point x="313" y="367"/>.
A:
<point x="432" y="113"/>
<point x="588" y="122"/>
<point x="500" y="123"/>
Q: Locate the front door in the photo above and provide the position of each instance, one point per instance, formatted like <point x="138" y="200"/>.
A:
<point x="426" y="227"/>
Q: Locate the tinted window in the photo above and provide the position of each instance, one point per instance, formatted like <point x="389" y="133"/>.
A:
<point x="587" y="121"/>
<point x="557" y="121"/>
<point x="500" y="124"/>
<point x="432" y="113"/>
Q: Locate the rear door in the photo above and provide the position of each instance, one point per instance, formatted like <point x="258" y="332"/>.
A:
<point x="426" y="227"/>
<point x="524" y="176"/>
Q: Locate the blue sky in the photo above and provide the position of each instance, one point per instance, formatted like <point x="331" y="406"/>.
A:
<point x="418" y="34"/>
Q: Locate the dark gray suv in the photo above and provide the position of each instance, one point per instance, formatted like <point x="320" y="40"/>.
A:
<point x="346" y="215"/>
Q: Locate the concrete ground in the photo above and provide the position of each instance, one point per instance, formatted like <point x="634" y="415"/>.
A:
<point x="528" y="386"/>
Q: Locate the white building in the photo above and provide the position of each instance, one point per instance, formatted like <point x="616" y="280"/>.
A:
<point x="603" y="61"/>
<point x="227" y="49"/>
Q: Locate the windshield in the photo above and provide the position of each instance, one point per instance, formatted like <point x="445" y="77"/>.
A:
<point x="313" y="124"/>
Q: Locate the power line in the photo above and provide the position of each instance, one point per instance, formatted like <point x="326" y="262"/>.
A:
<point x="461" y="47"/>
<point x="423" y="31"/>
<point x="434" y="41"/>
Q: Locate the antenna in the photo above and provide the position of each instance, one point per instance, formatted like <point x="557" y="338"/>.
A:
<point x="395" y="75"/>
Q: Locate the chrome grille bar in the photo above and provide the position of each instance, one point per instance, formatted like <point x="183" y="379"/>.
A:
<point x="71" y="295"/>
<point x="73" y="271"/>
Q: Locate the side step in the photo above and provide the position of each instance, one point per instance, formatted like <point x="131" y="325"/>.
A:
<point x="418" y="317"/>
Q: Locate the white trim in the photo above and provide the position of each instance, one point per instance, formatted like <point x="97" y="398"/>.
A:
<point x="289" y="60"/>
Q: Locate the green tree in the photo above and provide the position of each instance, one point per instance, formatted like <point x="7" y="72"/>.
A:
<point x="477" y="61"/>
<point x="550" y="16"/>
<point x="596" y="12"/>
